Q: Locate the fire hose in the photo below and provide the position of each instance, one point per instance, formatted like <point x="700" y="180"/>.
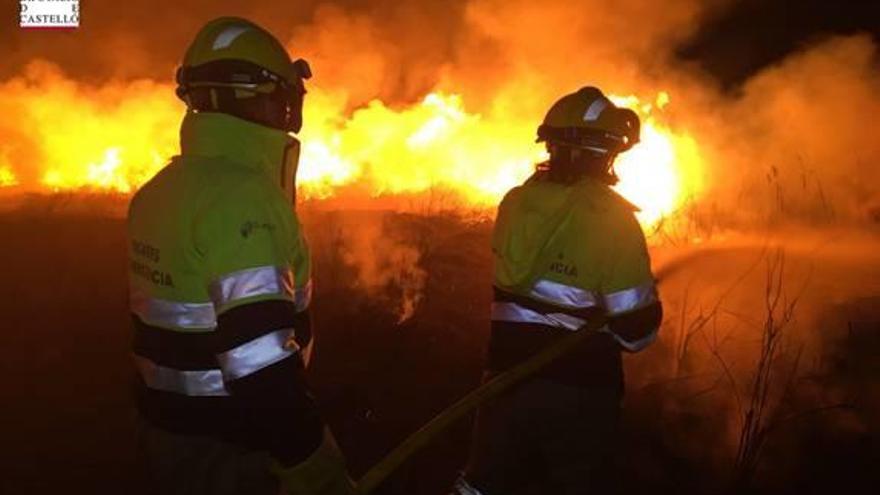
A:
<point x="492" y="388"/>
<point x="471" y="401"/>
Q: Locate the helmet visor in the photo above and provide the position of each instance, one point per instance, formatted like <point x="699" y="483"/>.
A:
<point x="583" y="138"/>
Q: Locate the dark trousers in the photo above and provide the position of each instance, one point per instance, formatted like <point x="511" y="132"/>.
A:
<point x="546" y="437"/>
<point x="174" y="464"/>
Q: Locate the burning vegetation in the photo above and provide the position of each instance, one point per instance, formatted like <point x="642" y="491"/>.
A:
<point x="114" y="138"/>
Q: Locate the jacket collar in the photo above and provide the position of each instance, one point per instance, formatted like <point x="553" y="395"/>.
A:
<point x="239" y="141"/>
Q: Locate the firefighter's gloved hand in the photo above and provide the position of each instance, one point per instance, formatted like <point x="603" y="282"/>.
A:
<point x="630" y="345"/>
<point x="323" y="473"/>
<point x="462" y="487"/>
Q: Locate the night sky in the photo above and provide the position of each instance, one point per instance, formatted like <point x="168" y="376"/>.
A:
<point x="756" y="33"/>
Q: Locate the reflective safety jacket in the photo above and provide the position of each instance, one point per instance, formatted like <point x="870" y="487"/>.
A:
<point x="562" y="253"/>
<point x="220" y="286"/>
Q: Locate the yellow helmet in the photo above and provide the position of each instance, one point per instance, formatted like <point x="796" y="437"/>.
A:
<point x="233" y="62"/>
<point x="588" y="119"/>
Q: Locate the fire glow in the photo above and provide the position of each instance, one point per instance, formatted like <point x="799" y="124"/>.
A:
<point x="115" y="137"/>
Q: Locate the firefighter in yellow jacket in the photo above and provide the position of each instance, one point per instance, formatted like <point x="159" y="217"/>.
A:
<point x="566" y="247"/>
<point x="221" y="284"/>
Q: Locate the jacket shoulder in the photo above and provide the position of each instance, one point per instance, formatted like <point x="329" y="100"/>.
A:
<point x="603" y="211"/>
<point x="245" y="196"/>
<point x="245" y="223"/>
<point x="622" y="202"/>
<point x="158" y="188"/>
<point x="602" y="197"/>
<point x="511" y="196"/>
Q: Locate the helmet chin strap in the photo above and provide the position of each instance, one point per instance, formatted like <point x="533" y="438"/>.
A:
<point x="611" y="172"/>
<point x="570" y="163"/>
<point x="289" y="166"/>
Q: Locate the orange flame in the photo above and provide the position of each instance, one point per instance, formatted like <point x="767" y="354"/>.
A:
<point x="663" y="171"/>
<point x="116" y="137"/>
<point x="434" y="143"/>
<point x="7" y="178"/>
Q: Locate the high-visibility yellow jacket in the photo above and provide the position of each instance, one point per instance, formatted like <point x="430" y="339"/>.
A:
<point x="220" y="286"/>
<point x="562" y="252"/>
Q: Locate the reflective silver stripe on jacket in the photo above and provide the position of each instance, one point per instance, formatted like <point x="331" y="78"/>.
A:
<point x="160" y="312"/>
<point x="508" y="311"/>
<point x="630" y="299"/>
<point x="462" y="487"/>
<point x="255" y="355"/>
<point x="194" y="383"/>
<point x="303" y="296"/>
<point x="564" y="295"/>
<point x="260" y="281"/>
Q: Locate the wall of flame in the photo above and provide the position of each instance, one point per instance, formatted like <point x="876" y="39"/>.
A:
<point x="116" y="136"/>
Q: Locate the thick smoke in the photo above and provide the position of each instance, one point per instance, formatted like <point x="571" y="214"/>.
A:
<point x="385" y="265"/>
<point x="803" y="130"/>
<point x="496" y="53"/>
<point x="541" y="49"/>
